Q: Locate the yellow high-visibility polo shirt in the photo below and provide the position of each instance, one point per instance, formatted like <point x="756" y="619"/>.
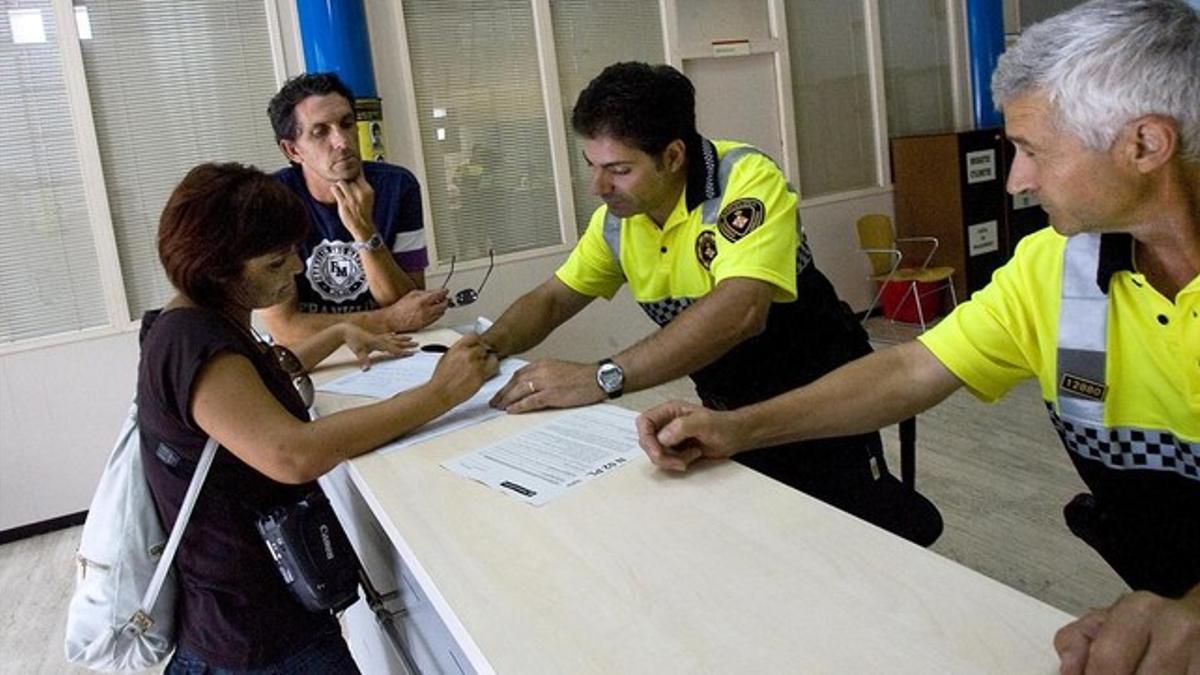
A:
<point x="676" y="262"/>
<point x="1008" y="332"/>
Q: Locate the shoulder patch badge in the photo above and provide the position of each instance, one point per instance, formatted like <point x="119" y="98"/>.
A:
<point x="740" y="217"/>
<point x="706" y="248"/>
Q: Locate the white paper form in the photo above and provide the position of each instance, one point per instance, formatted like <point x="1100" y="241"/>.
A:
<point x="388" y="378"/>
<point x="385" y="378"/>
<point x="544" y="462"/>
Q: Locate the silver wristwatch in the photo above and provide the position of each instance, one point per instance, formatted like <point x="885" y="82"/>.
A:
<point x="611" y="378"/>
<point x="373" y="244"/>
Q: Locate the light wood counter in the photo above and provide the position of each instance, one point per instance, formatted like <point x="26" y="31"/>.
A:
<point x="720" y="570"/>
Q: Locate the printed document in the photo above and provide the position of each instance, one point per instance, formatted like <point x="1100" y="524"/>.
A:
<point x="544" y="462"/>
<point x="388" y="378"/>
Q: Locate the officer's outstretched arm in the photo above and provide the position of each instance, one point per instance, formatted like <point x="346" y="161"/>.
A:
<point x="533" y="317"/>
<point x="733" y="312"/>
<point x="879" y="389"/>
<point x="870" y="393"/>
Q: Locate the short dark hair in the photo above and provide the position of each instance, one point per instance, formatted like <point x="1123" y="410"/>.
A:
<point x="644" y="105"/>
<point x="217" y="218"/>
<point x="282" y="108"/>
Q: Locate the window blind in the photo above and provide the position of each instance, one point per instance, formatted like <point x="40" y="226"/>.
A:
<point x="484" y="137"/>
<point x="49" y="274"/>
<point x="832" y="96"/>
<point x="173" y="84"/>
<point x="588" y="36"/>
<point x="916" y="67"/>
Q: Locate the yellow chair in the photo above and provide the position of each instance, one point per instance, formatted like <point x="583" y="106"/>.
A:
<point x="877" y="238"/>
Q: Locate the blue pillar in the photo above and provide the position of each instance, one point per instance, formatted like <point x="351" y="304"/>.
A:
<point x="985" y="29"/>
<point x="334" y="33"/>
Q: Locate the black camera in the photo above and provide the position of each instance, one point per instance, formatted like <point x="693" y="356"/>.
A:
<point x="312" y="553"/>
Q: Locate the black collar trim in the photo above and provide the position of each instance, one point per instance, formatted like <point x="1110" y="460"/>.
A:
<point x="702" y="179"/>
<point x="1116" y="255"/>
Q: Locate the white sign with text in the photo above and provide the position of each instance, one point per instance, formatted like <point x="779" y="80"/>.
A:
<point x="983" y="238"/>
<point x="981" y="166"/>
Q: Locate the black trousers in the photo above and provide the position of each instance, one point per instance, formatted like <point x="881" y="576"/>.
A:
<point x="1157" y="554"/>
<point x="803" y="341"/>
<point x="850" y="473"/>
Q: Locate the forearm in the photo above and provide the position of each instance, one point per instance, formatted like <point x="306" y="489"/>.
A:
<point x="329" y="440"/>
<point x="697" y="337"/>
<point x="355" y="202"/>
<point x="293" y="328"/>
<point x="315" y="348"/>
<point x="532" y="317"/>
<point x="864" y="395"/>
<point x="520" y="328"/>
<point x="387" y="281"/>
<point x="232" y="404"/>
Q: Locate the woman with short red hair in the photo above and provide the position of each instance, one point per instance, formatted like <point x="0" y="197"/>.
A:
<point x="227" y="241"/>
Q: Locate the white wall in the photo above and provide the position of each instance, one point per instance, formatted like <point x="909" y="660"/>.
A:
<point x="831" y="233"/>
<point x="60" y="410"/>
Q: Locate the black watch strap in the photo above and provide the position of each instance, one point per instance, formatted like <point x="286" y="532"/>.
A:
<point x="611" y="378"/>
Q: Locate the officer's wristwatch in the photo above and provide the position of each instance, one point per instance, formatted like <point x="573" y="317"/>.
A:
<point x="611" y="378"/>
<point x="373" y="244"/>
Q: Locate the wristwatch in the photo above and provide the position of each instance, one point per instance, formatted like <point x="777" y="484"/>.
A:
<point x="373" y="244"/>
<point x="611" y="378"/>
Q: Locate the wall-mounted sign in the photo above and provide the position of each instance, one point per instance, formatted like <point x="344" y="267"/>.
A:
<point x="981" y="166"/>
<point x="369" y="115"/>
<point x="983" y="238"/>
<point x="731" y="47"/>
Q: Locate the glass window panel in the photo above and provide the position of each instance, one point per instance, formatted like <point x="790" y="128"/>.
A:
<point x="632" y="32"/>
<point x="483" y="128"/>
<point x="173" y="84"/>
<point x="916" y="66"/>
<point x="703" y="22"/>
<point x="49" y="274"/>
<point x="832" y="96"/>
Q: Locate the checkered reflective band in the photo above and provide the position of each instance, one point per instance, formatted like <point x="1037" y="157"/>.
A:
<point x="664" y="311"/>
<point x="804" y="254"/>
<point x="1125" y="448"/>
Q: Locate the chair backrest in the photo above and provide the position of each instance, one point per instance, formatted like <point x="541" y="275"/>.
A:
<point x="875" y="234"/>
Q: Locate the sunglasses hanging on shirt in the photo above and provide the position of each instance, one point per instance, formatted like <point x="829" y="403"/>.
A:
<point x="285" y="358"/>
<point x="290" y="364"/>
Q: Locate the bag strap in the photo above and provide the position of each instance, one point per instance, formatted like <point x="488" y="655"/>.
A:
<point x="141" y="621"/>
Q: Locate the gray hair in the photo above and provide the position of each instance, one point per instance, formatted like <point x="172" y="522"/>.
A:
<point x="1108" y="62"/>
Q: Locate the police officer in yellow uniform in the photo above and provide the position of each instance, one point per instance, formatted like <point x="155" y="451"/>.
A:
<point x="707" y="237"/>
<point x="1103" y="105"/>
